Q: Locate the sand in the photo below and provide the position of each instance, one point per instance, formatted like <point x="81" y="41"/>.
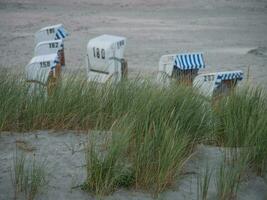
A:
<point x="230" y="33"/>
<point x="64" y="153"/>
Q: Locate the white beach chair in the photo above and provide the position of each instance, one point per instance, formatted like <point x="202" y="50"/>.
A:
<point x="105" y="59"/>
<point x="181" y="67"/>
<point x="218" y="83"/>
<point x="43" y="70"/>
<point x="55" y="32"/>
<point x="51" y="47"/>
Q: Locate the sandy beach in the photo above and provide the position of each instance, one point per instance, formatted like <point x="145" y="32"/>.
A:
<point x="231" y="34"/>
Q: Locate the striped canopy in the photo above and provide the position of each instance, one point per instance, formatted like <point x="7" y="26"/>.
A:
<point x="189" y="61"/>
<point x="61" y="33"/>
<point x="231" y="75"/>
<point x="228" y="75"/>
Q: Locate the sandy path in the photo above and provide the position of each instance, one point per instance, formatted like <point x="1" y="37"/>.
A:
<point x="224" y="30"/>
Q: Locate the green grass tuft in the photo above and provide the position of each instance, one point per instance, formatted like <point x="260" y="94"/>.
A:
<point x="28" y="176"/>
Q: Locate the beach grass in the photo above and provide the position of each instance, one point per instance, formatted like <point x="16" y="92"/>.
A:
<point x="28" y="175"/>
<point x="203" y="183"/>
<point x="156" y="128"/>
<point x="106" y="164"/>
<point x="230" y="174"/>
<point x="241" y="122"/>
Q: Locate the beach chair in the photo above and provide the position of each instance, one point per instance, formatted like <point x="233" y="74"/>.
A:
<point x="43" y="71"/>
<point x="55" y="32"/>
<point x="218" y="84"/>
<point x="51" y="47"/>
<point x="105" y="59"/>
<point x="182" y="68"/>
